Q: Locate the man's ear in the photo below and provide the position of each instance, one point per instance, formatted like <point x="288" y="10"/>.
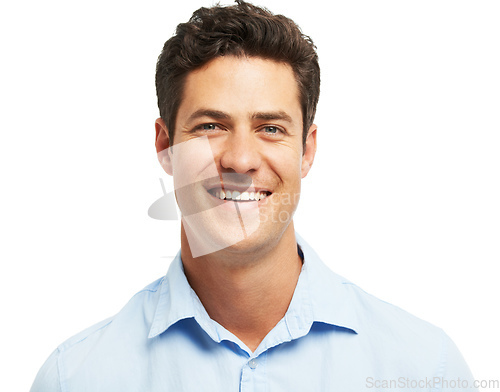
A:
<point x="309" y="150"/>
<point x="162" y="144"/>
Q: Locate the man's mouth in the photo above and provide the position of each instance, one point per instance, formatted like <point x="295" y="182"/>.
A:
<point x="240" y="196"/>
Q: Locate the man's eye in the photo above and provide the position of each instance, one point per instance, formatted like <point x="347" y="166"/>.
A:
<point x="271" y="130"/>
<point x="207" y="128"/>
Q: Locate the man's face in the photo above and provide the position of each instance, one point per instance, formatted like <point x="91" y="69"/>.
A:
<point x="239" y="131"/>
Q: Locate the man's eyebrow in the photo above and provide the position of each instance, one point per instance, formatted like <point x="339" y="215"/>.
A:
<point x="219" y="115"/>
<point x="215" y="114"/>
<point x="279" y="115"/>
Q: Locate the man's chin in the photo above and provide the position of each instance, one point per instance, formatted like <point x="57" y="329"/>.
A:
<point x="209" y="234"/>
<point x="240" y="240"/>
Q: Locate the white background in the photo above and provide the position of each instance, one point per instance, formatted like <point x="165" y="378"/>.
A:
<point x="403" y="198"/>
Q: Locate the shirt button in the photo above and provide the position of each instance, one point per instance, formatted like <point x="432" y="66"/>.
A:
<point x="252" y="363"/>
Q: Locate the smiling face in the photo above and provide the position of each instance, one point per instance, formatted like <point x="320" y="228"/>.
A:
<point x="238" y="157"/>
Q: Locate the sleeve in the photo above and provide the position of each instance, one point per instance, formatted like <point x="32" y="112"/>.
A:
<point x="47" y="379"/>
<point x="456" y="375"/>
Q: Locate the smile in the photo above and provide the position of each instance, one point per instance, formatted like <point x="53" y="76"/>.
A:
<point x="238" y="196"/>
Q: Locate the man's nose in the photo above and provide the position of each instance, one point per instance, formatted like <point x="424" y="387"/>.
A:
<point x="240" y="152"/>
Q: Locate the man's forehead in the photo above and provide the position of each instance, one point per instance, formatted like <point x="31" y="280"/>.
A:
<point x="258" y="87"/>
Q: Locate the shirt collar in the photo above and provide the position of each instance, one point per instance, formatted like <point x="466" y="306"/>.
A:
<point x="177" y="300"/>
<point x="330" y="295"/>
<point x="320" y="296"/>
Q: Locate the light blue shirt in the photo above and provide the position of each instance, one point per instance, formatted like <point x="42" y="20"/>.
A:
<point x="334" y="337"/>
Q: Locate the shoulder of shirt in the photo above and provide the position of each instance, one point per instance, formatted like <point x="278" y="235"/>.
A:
<point x="365" y="312"/>
<point x="102" y="325"/>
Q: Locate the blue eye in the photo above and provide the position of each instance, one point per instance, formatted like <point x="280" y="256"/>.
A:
<point x="272" y="132"/>
<point x="271" y="129"/>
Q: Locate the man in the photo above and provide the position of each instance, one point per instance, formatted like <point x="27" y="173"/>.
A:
<point x="246" y="304"/>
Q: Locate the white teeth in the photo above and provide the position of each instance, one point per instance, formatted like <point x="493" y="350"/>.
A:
<point x="237" y="195"/>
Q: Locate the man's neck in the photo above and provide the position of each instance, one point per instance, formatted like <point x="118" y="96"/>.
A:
<point x="248" y="293"/>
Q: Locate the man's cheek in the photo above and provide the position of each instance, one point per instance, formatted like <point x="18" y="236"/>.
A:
<point x="192" y="161"/>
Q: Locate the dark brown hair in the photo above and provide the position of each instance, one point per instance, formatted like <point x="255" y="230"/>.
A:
<point x="240" y="30"/>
